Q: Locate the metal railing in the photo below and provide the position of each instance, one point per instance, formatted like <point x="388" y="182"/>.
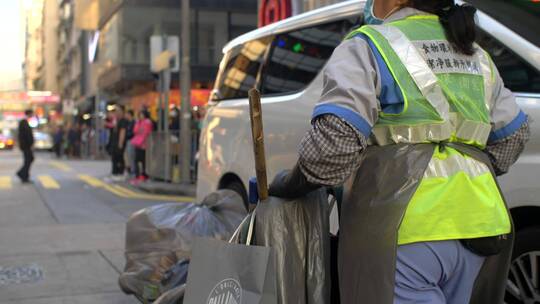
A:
<point x="162" y="156"/>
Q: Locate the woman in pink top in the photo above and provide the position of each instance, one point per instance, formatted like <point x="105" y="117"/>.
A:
<point x="141" y="130"/>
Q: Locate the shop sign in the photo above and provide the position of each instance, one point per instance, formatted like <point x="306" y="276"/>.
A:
<point x="273" y="10"/>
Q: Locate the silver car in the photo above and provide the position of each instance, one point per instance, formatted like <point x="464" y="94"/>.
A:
<point x="42" y="141"/>
<point x="284" y="60"/>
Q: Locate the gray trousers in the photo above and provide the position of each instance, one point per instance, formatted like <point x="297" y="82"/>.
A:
<point x="436" y="273"/>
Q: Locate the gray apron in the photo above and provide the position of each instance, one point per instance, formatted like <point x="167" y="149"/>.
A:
<point x="373" y="207"/>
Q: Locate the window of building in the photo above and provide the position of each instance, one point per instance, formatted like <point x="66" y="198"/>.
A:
<point x="518" y="75"/>
<point x="211" y="36"/>
<point x="297" y="57"/>
<point x="139" y="24"/>
<point x="239" y="69"/>
<point x="241" y="23"/>
<point x="108" y="43"/>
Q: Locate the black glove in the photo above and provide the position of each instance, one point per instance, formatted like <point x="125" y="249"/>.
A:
<point x="291" y="184"/>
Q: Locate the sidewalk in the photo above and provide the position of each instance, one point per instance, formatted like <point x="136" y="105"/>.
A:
<point x="48" y="253"/>
<point x="43" y="261"/>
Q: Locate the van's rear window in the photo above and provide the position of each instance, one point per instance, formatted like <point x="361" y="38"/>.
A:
<point x="239" y="69"/>
<point x="296" y="57"/>
<point x="286" y="62"/>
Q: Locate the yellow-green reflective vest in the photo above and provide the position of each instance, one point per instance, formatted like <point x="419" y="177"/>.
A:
<point x="447" y="97"/>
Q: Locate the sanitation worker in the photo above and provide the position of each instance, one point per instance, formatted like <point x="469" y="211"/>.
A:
<point x="415" y="121"/>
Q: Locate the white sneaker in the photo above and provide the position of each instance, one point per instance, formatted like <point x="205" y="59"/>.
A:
<point x="118" y="178"/>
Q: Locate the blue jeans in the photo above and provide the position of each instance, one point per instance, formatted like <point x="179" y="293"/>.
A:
<point x="130" y="157"/>
<point x="435" y="273"/>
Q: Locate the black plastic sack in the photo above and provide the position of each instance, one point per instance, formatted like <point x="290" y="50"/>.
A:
<point x="158" y="237"/>
<point x="298" y="231"/>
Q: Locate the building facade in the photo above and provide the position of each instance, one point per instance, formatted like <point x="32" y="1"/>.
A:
<point x="34" y="45"/>
<point x="126" y="27"/>
<point x="49" y="66"/>
<point x="307" y="5"/>
<point x="74" y="69"/>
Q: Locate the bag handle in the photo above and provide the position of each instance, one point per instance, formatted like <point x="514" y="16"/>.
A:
<point x="255" y="111"/>
<point x="249" y="239"/>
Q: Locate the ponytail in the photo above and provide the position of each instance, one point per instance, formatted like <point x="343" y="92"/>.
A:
<point x="457" y="20"/>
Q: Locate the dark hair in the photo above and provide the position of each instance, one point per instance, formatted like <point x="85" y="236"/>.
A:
<point x="28" y="112"/>
<point x="131" y="112"/>
<point x="457" y="20"/>
<point x="145" y="113"/>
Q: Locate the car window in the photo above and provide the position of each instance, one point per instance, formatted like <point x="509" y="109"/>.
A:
<point x="518" y="75"/>
<point x="296" y="57"/>
<point x="239" y="69"/>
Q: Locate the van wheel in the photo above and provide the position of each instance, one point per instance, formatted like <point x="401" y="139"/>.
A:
<point x="523" y="284"/>
<point x="238" y="187"/>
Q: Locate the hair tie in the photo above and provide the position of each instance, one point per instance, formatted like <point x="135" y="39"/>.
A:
<point x="448" y="10"/>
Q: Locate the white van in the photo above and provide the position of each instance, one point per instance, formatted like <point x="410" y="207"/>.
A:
<point x="284" y="60"/>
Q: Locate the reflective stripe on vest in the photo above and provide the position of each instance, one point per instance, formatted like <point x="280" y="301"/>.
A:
<point x="453" y="126"/>
<point x="456" y="126"/>
<point x="454" y="164"/>
<point x="417" y="67"/>
<point x="489" y="80"/>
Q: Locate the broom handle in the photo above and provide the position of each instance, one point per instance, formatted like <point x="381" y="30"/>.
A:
<point x="255" y="111"/>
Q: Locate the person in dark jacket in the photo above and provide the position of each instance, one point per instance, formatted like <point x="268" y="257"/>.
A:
<point x="26" y="141"/>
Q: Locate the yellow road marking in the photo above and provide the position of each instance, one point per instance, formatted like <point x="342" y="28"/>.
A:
<point x="97" y="183"/>
<point x="5" y="182"/>
<point x="48" y="182"/>
<point x="92" y="181"/>
<point x="61" y="166"/>
<point x="127" y="193"/>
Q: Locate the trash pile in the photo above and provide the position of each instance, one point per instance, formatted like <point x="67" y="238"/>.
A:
<point x="278" y="254"/>
<point x="159" y="241"/>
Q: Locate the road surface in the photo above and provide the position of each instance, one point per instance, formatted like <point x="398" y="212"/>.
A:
<point x="62" y="237"/>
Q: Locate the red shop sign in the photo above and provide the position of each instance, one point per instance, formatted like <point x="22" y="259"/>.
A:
<point x="274" y="10"/>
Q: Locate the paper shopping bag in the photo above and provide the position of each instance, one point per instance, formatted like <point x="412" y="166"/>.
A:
<point x="226" y="273"/>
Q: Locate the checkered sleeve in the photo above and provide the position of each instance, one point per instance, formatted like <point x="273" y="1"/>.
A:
<point x="331" y="151"/>
<point x="505" y="152"/>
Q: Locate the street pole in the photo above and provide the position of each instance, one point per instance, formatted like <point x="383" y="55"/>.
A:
<point x="185" y="88"/>
<point x="160" y="102"/>
<point x="97" y="128"/>
<point x="166" y="134"/>
<point x="166" y="82"/>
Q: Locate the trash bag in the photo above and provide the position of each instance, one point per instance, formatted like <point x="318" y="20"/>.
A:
<point x="299" y="232"/>
<point x="173" y="296"/>
<point x="176" y="275"/>
<point x="158" y="237"/>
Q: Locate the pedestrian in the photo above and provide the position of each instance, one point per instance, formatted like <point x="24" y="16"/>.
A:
<point x="142" y="130"/>
<point x="74" y="141"/>
<point x="174" y="121"/>
<point x="419" y="115"/>
<point x="26" y="142"/>
<point x="85" y="140"/>
<point x="110" y="123"/>
<point x="58" y="141"/>
<point x="118" y="144"/>
<point x="130" y="149"/>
